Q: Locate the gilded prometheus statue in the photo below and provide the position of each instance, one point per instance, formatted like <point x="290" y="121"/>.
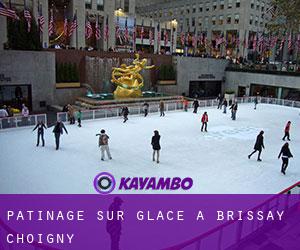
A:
<point x="128" y="79"/>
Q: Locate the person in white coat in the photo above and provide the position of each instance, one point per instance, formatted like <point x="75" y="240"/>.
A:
<point x="103" y="144"/>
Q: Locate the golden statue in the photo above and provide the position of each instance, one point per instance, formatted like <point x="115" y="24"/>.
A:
<point x="128" y="79"/>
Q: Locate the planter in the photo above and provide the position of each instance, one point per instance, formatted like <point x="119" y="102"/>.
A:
<point x="229" y="97"/>
<point x="67" y="85"/>
<point x="166" y="82"/>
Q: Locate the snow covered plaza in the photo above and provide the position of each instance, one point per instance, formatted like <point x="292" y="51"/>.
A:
<point x="217" y="160"/>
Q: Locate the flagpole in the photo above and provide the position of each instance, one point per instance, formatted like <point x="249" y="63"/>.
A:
<point x="40" y="11"/>
<point x="76" y="30"/>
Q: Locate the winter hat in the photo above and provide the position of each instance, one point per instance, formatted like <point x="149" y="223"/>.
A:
<point x="102" y="131"/>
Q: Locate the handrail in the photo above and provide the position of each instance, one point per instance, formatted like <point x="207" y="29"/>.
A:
<point x="216" y="229"/>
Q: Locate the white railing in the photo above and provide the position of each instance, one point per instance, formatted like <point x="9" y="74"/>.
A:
<point x="228" y="235"/>
<point x="21" y="121"/>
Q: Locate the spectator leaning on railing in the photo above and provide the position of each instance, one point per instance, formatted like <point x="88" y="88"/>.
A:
<point x="3" y="113"/>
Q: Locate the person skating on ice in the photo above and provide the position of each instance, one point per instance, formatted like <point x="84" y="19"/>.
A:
<point x="79" y="117"/>
<point x="220" y="101"/>
<point x="162" y="108"/>
<point x="287" y="131"/>
<point x="58" y="131"/>
<point x="40" y="132"/>
<point x="185" y="105"/>
<point x="71" y="114"/>
<point x="255" y="101"/>
<point x="259" y="145"/>
<point x="103" y="144"/>
<point x="225" y="104"/>
<point x="234" y="108"/>
<point x="285" y="154"/>
<point x="125" y="113"/>
<point x="195" y="106"/>
<point x="155" y="142"/>
<point x="146" y="109"/>
<point x="204" y="121"/>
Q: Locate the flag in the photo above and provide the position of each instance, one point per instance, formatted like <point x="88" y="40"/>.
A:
<point x="27" y="17"/>
<point x="298" y="41"/>
<point x="65" y="25"/>
<point x="97" y="30"/>
<point x="88" y="28"/>
<point x="158" y="36"/>
<point x="73" y="26"/>
<point x="118" y="31"/>
<point x="134" y="35"/>
<point x="51" y="23"/>
<point x="4" y="11"/>
<point x="194" y="39"/>
<point x="182" y="38"/>
<point x="142" y="32"/>
<point x="273" y="41"/>
<point x="166" y="36"/>
<point x="220" y="40"/>
<point x="260" y="43"/>
<point x="282" y="43"/>
<point x="290" y="44"/>
<point x="106" y="30"/>
<point x="126" y="34"/>
<point x="255" y="42"/>
<point x="41" y="19"/>
<point x="151" y="34"/>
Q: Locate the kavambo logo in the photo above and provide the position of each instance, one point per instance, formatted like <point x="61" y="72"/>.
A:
<point x="105" y="183"/>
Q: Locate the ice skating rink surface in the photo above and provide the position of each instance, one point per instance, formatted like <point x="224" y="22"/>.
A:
<point x="217" y="160"/>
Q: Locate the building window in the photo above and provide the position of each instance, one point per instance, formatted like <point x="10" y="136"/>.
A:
<point x="222" y="5"/>
<point x="236" y="18"/>
<point x="187" y="22"/>
<point x="251" y="20"/>
<point x="252" y="4"/>
<point x="207" y="6"/>
<point x="200" y="21"/>
<point x="194" y="8"/>
<point x="256" y="21"/>
<point x="126" y="6"/>
<point x="201" y="8"/>
<point x="257" y="5"/>
<point x="118" y="4"/>
<point x="261" y="24"/>
<point x="188" y="9"/>
<point x="182" y="11"/>
<point x="262" y="7"/>
<point x="193" y="21"/>
<point x="100" y="4"/>
<point x="213" y="20"/>
<point x="206" y="22"/>
<point x="215" y="5"/>
<point x="221" y="20"/>
<point x="229" y="19"/>
<point x="238" y="3"/>
<point x="88" y="4"/>
<point x="229" y="4"/>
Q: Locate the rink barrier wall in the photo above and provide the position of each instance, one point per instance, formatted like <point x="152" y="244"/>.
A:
<point x="221" y="237"/>
<point x="115" y="110"/>
<point x="21" y="121"/>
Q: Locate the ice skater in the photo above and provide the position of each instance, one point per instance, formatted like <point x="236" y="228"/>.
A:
<point x="234" y="108"/>
<point x="162" y="108"/>
<point x="259" y="145"/>
<point x="79" y="117"/>
<point x="286" y="154"/>
<point x="204" y="121"/>
<point x="40" y="132"/>
<point x="58" y="131"/>
<point x="195" y="106"/>
<point x="125" y="113"/>
<point x="185" y="105"/>
<point x="220" y="101"/>
<point x="287" y="131"/>
<point x="71" y="113"/>
<point x="156" y="145"/>
<point x="103" y="144"/>
<point x="255" y="102"/>
<point x="146" y="109"/>
<point x="225" y="104"/>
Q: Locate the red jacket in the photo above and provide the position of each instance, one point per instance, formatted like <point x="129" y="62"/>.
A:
<point x="287" y="127"/>
<point x="204" y="118"/>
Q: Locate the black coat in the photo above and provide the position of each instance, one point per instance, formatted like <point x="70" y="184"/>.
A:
<point x="155" y="142"/>
<point x="195" y="104"/>
<point x="259" y="144"/>
<point x="125" y="111"/>
<point x="59" y="127"/>
<point x="225" y="103"/>
<point x="285" y="152"/>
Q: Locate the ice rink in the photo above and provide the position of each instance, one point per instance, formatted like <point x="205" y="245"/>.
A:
<point x="217" y="161"/>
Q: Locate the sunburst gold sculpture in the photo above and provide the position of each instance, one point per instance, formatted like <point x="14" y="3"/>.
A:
<point x="128" y="79"/>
